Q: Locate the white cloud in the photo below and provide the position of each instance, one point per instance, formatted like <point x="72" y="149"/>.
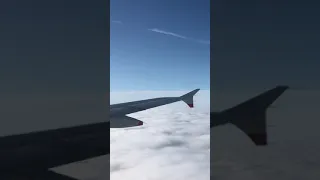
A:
<point x="178" y="35"/>
<point x="167" y="33"/>
<point x="173" y="144"/>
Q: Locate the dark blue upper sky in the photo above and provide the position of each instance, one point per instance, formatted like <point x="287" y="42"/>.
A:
<point x="160" y="44"/>
<point x="263" y="43"/>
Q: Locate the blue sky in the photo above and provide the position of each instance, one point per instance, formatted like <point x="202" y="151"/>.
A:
<point x="159" y="45"/>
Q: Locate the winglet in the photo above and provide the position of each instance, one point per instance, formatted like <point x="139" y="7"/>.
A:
<point x="188" y="98"/>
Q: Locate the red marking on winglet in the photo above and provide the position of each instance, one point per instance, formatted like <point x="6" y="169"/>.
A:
<point x="190" y="105"/>
<point x="140" y="123"/>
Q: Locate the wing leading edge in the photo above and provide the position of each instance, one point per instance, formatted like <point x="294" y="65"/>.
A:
<point x="118" y="112"/>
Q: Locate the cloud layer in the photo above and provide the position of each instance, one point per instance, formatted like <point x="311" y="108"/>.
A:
<point x="173" y="144"/>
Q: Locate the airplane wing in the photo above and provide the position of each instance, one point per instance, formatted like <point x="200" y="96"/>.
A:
<point x="250" y="116"/>
<point x="31" y="155"/>
<point x="118" y="112"/>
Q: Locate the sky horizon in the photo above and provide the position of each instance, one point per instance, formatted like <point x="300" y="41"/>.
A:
<point x="153" y="47"/>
